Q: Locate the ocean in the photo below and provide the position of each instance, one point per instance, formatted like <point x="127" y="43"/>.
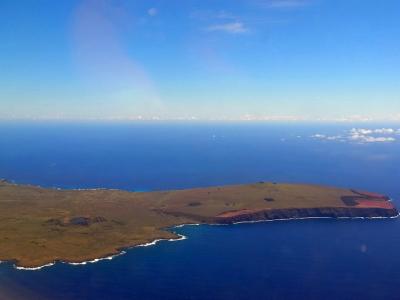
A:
<point x="298" y="259"/>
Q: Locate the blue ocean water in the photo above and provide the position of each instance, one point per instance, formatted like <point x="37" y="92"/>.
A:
<point x="308" y="259"/>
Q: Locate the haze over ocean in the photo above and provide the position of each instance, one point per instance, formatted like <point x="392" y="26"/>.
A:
<point x="291" y="259"/>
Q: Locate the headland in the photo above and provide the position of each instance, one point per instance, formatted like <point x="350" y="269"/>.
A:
<point x="40" y="226"/>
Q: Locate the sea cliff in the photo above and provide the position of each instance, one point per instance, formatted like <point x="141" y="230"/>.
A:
<point x="39" y="226"/>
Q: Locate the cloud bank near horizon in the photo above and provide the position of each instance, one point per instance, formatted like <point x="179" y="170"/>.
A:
<point x="362" y="135"/>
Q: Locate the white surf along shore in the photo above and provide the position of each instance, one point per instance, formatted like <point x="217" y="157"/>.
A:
<point x="182" y="237"/>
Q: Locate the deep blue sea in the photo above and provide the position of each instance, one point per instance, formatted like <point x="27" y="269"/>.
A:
<point x="305" y="259"/>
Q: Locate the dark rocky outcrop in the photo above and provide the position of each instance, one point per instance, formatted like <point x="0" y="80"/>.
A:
<point x="351" y="200"/>
<point x="86" y="221"/>
<point x="359" y="197"/>
<point x="369" y="195"/>
<point x="269" y="199"/>
<point x="82" y="221"/>
<point x="98" y="219"/>
<point x="79" y="221"/>
<point x="54" y="222"/>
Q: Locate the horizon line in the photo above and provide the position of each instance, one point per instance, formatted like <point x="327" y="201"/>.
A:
<point x="191" y="119"/>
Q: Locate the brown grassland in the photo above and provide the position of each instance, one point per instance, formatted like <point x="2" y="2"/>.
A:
<point x="40" y="226"/>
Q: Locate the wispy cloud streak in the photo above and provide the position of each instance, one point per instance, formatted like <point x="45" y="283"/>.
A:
<point x="232" y="28"/>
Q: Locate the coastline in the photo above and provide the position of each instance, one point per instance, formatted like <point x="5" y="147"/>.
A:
<point x="183" y="237"/>
<point x="129" y="213"/>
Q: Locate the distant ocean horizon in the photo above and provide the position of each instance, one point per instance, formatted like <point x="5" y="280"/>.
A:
<point x="301" y="259"/>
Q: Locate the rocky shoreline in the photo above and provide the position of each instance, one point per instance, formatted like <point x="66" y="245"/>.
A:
<point x="83" y="226"/>
<point x="299" y="213"/>
<point x="293" y="214"/>
<point x="264" y="216"/>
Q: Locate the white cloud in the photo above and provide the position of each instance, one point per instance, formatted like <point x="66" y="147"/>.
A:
<point x="371" y="139"/>
<point x="152" y="12"/>
<point x="327" y="137"/>
<point x="319" y="136"/>
<point x="370" y="135"/>
<point x="362" y="135"/>
<point x="334" y="137"/>
<point x="360" y="131"/>
<point x="232" y="28"/>
<point x="385" y="131"/>
<point x="380" y="139"/>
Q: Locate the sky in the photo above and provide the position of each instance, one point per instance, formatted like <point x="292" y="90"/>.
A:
<point x="205" y="59"/>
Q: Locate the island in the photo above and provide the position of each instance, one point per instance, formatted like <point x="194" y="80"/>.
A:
<point x="40" y="226"/>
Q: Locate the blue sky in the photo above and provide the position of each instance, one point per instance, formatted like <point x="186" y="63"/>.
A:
<point x="219" y="59"/>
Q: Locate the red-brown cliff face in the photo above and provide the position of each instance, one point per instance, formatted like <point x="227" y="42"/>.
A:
<point x="298" y="213"/>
